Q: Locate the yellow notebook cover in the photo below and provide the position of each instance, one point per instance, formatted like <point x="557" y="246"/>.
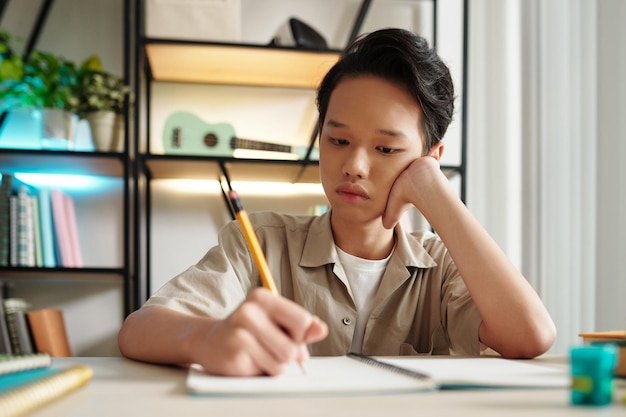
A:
<point x="28" y="397"/>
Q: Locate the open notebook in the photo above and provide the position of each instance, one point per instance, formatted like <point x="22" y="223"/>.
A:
<point x="355" y="374"/>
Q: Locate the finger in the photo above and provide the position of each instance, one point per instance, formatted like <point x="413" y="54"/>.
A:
<point x="234" y="353"/>
<point x="265" y="362"/>
<point x="317" y="331"/>
<point x="291" y="317"/>
<point x="267" y="332"/>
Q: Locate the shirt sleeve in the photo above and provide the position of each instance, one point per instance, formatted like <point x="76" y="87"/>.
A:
<point x="461" y="318"/>
<point x="458" y="314"/>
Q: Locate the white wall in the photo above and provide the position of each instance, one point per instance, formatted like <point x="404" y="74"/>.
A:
<point x="611" y="172"/>
<point x="545" y="144"/>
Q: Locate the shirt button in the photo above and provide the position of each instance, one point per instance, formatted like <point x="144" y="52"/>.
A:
<point x="346" y="321"/>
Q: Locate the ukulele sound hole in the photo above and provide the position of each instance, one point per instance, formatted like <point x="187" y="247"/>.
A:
<point x="210" y="140"/>
<point x="177" y="138"/>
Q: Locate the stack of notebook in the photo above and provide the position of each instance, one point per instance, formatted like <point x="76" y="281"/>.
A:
<point x="30" y="381"/>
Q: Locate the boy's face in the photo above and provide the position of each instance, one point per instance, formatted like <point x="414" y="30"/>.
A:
<point x="371" y="133"/>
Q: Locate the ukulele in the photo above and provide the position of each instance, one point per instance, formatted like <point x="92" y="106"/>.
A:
<point x="186" y="134"/>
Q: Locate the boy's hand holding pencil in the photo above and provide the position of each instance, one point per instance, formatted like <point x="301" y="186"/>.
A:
<point x="266" y="332"/>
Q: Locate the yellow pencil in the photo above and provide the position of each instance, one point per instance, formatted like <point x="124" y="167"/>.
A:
<point x="255" y="248"/>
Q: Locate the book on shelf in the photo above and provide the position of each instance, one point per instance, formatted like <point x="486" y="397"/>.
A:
<point x="359" y="374"/>
<point x="61" y="228"/>
<point x="13" y="230"/>
<point x="38" y="244"/>
<point x="25" y="229"/>
<point x="38" y="227"/>
<point x="48" y="331"/>
<point x="70" y="215"/>
<point x="65" y="228"/>
<point x="24" y="329"/>
<point x="46" y="229"/>
<point x="5" y="339"/>
<point x="6" y="190"/>
<point x="17" y="325"/>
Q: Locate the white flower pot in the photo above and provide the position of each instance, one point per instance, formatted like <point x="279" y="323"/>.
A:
<point x="57" y="129"/>
<point x="107" y="131"/>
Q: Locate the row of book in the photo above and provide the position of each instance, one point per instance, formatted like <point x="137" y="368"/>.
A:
<point x="29" y="381"/>
<point x="24" y="330"/>
<point x="37" y="226"/>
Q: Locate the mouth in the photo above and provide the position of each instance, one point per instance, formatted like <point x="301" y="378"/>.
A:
<point x="352" y="193"/>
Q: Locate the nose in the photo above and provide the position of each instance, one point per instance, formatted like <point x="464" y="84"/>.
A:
<point x="356" y="164"/>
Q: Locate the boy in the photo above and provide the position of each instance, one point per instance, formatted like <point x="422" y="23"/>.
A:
<point x="352" y="279"/>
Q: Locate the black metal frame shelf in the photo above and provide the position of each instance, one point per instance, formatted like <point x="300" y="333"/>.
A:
<point x="104" y="164"/>
<point x="187" y="61"/>
<point x="78" y="273"/>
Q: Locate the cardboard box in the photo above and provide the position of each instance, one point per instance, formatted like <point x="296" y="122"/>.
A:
<point x="197" y="20"/>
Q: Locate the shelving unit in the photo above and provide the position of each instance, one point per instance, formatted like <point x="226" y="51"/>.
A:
<point x="167" y="60"/>
<point x="113" y="165"/>
<point x="77" y="163"/>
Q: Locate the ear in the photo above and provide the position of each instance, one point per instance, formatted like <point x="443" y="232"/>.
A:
<point x="436" y="151"/>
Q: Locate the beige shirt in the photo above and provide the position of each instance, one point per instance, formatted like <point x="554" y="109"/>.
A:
<point x="422" y="305"/>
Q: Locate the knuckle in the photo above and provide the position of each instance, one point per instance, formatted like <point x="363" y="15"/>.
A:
<point x="245" y="314"/>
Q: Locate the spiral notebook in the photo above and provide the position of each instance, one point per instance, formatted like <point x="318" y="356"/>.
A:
<point x="10" y="363"/>
<point x="358" y="374"/>
<point x="35" y="388"/>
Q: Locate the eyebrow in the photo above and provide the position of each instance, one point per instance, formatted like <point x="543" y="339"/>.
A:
<point x="387" y="132"/>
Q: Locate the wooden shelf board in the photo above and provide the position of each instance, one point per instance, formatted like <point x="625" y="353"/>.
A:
<point x="238" y="64"/>
<point x="61" y="162"/>
<point x="166" y="167"/>
<point x="206" y="168"/>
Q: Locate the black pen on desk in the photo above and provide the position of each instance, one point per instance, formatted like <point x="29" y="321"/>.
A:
<point x="255" y="248"/>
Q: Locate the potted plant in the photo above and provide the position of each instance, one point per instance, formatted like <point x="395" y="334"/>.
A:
<point x="11" y="73"/>
<point x="45" y="82"/>
<point x="53" y="84"/>
<point x="102" y="98"/>
<point x="13" y="94"/>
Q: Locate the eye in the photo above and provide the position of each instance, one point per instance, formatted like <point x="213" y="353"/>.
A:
<point x="339" y="142"/>
<point x="387" y="150"/>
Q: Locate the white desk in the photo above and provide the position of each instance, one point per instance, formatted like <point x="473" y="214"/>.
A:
<point x="122" y="387"/>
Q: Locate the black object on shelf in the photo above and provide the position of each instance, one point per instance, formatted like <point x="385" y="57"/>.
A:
<point x="296" y="33"/>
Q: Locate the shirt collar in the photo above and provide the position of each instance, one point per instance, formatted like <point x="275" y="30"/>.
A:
<point x="319" y="247"/>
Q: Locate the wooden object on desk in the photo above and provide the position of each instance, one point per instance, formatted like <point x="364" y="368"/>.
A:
<point x="49" y="334"/>
<point x="611" y="336"/>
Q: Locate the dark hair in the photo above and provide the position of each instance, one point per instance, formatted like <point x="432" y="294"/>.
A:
<point x="405" y="59"/>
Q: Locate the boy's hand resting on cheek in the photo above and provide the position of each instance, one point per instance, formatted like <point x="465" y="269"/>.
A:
<point x="262" y="336"/>
<point x="415" y="186"/>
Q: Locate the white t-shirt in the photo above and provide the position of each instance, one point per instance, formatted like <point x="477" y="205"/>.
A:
<point x="362" y="277"/>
